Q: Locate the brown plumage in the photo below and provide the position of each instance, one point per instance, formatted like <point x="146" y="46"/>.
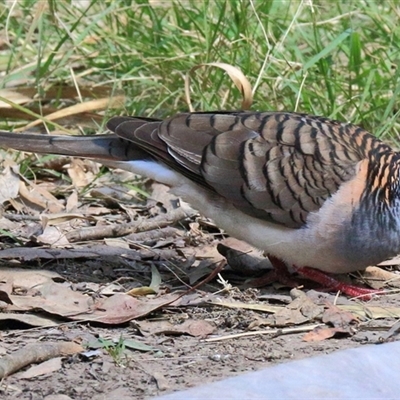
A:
<point x="308" y="190"/>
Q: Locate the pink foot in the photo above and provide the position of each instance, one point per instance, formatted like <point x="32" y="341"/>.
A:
<point x="333" y="284"/>
<point x="281" y="274"/>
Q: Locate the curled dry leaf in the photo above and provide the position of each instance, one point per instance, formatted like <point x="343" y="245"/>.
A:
<point x="160" y="194"/>
<point x="237" y="76"/>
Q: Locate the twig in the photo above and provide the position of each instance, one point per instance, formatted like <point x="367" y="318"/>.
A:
<point x="101" y="232"/>
<point x="35" y="353"/>
<point x="156" y="234"/>
<point x="282" y="331"/>
<point x="19" y="217"/>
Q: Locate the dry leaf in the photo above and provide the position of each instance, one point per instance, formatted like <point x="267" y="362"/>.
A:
<point x="7" y="225"/>
<point x="52" y="236"/>
<point x="302" y="309"/>
<point x="141" y="291"/>
<point x="161" y="380"/>
<point x="39" y="199"/>
<point x="82" y="172"/>
<point x="343" y="323"/>
<point x="160" y="194"/>
<point x="377" y="277"/>
<point x="5" y="291"/>
<point x="9" y="184"/>
<point x="72" y="202"/>
<point x="30" y="319"/>
<point x="372" y="312"/>
<point x="201" y="271"/>
<point x="339" y="318"/>
<point x="60" y="218"/>
<point x="26" y="279"/>
<point x="319" y="334"/>
<point x="55" y="298"/>
<point x="390" y="262"/>
<point x="45" y="368"/>
<point x="122" y="308"/>
<point x="199" y="328"/>
<point x="156" y="279"/>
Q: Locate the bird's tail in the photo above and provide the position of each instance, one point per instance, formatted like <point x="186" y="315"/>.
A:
<point x="141" y="152"/>
<point x="100" y="147"/>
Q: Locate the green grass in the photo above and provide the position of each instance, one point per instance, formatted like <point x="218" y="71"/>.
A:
<point x="117" y="348"/>
<point x="339" y="59"/>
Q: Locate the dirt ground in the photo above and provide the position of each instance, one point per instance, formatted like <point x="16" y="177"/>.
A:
<point x="179" y="361"/>
<point x="199" y="338"/>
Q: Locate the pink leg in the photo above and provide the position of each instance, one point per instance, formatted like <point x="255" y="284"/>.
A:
<point x="334" y="285"/>
<point x="281" y="274"/>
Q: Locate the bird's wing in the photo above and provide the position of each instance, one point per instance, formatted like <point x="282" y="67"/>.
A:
<point x="276" y="166"/>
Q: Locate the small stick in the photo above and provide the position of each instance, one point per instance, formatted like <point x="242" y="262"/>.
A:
<point x="35" y="353"/>
<point x="117" y="230"/>
<point x="276" y="332"/>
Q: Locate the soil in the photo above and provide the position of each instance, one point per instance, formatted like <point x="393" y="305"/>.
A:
<point x="179" y="361"/>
